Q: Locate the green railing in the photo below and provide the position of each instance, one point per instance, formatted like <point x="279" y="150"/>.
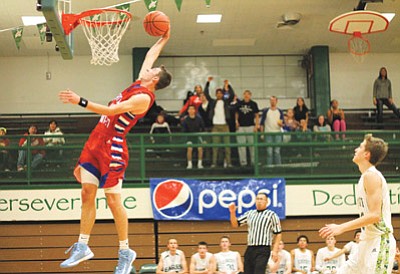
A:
<point x="307" y="156"/>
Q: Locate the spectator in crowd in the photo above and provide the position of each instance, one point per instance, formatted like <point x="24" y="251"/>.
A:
<point x="272" y="122"/>
<point x="203" y="261"/>
<point x="264" y="227"/>
<point x="291" y="124"/>
<point x="350" y="247"/>
<point x="204" y="112"/>
<point x="220" y="116"/>
<point x="322" y="127"/>
<point x="52" y="140"/>
<point x="247" y="121"/>
<point x="383" y="95"/>
<point x="300" y="110"/>
<point x="173" y="260"/>
<point x="4" y="154"/>
<point x="193" y="124"/>
<point x="160" y="126"/>
<point x="227" y="261"/>
<point x="284" y="263"/>
<point x="329" y="266"/>
<point x="336" y="118"/>
<point x="193" y="100"/>
<point x="37" y="154"/>
<point x="302" y="258"/>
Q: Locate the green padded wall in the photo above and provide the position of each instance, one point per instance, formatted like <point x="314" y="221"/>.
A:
<point x="138" y="55"/>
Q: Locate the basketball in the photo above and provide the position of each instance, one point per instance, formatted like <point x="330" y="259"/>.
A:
<point x="156" y="23"/>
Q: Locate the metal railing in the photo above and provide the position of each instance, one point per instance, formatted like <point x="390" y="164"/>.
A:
<point x="306" y="156"/>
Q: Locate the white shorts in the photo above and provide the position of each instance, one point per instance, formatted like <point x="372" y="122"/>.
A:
<point x="89" y="178"/>
<point x="375" y="255"/>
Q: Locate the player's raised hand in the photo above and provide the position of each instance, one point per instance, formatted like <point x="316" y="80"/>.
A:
<point x="232" y="208"/>
<point x="68" y="96"/>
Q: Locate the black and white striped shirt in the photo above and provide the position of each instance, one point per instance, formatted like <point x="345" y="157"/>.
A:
<point x="262" y="225"/>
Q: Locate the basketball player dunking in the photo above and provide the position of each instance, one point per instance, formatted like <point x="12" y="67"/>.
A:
<point x="377" y="246"/>
<point x="105" y="156"/>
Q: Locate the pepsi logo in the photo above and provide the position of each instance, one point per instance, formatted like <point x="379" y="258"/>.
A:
<point x="172" y="199"/>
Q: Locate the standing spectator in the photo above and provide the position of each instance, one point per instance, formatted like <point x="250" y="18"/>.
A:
<point x="328" y="266"/>
<point x="291" y="124"/>
<point x="322" y="127"/>
<point x="160" y="126"/>
<point x="336" y="118"/>
<point x="302" y="258"/>
<point x="53" y="141"/>
<point x="203" y="261"/>
<point x="272" y="122"/>
<point x="262" y="225"/>
<point x="383" y="95"/>
<point x="173" y="260"/>
<point x="4" y="154"/>
<point x="193" y="124"/>
<point x="193" y="100"/>
<point x="37" y="155"/>
<point x="227" y="261"/>
<point x="247" y="121"/>
<point x="204" y="112"/>
<point x="300" y="110"/>
<point x="284" y="263"/>
<point x="220" y="116"/>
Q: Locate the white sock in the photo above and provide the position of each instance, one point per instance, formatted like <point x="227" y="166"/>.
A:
<point x="124" y="244"/>
<point x="83" y="238"/>
<point x="200" y="163"/>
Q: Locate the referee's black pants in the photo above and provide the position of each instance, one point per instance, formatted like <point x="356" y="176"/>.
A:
<point x="256" y="259"/>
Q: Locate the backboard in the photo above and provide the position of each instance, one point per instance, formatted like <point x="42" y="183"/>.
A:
<point x="52" y="11"/>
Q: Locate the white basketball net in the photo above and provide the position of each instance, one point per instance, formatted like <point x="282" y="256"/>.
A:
<point x="104" y="32"/>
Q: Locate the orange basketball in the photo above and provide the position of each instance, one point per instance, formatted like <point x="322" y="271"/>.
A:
<point x="156" y="23"/>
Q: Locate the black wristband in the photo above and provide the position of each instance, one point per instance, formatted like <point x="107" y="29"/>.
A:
<point x="83" y="102"/>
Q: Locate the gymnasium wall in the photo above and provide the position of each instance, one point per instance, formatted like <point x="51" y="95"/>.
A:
<point x="24" y="87"/>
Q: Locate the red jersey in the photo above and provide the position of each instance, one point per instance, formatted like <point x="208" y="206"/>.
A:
<point x="192" y="101"/>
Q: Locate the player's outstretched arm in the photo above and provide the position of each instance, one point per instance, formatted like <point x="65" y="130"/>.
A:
<point x="137" y="104"/>
<point x="373" y="190"/>
<point x="154" y="52"/>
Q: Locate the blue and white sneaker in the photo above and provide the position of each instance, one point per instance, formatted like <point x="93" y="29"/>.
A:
<point x="80" y="252"/>
<point x="125" y="260"/>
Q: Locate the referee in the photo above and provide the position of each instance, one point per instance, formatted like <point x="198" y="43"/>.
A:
<point x="262" y="224"/>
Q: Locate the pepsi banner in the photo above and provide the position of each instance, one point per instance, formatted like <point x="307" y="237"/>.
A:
<point x="187" y="199"/>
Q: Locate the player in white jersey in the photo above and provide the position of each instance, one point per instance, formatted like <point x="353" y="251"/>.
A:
<point x="377" y="246"/>
<point x="284" y="263"/>
<point x="350" y="247"/>
<point x="173" y="260"/>
<point x="227" y="261"/>
<point x="302" y="258"/>
<point x="203" y="261"/>
<point x="332" y="265"/>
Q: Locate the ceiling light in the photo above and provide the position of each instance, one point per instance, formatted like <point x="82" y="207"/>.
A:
<point x="388" y="15"/>
<point x="33" y="20"/>
<point x="209" y="18"/>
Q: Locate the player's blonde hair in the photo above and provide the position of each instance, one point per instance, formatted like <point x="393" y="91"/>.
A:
<point x="376" y="147"/>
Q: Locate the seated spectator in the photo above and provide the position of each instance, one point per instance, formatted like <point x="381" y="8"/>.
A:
<point x="336" y="118"/>
<point x="227" y="261"/>
<point x="203" y="261"/>
<point x="284" y="263"/>
<point x="303" y="128"/>
<point x="291" y="124"/>
<point x="173" y="260"/>
<point x="160" y="126"/>
<point x="302" y="258"/>
<point x="193" y="124"/>
<point x="53" y="141"/>
<point x="322" y="126"/>
<point x="4" y="154"/>
<point x="300" y="110"/>
<point x="328" y="266"/>
<point x="193" y="100"/>
<point x="37" y="155"/>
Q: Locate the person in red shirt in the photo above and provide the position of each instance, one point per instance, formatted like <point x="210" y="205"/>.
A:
<point x="105" y="156"/>
<point x="193" y="100"/>
<point x="37" y="154"/>
<point x="4" y="154"/>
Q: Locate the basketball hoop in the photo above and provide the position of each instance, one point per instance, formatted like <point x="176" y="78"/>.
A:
<point x="358" y="46"/>
<point x="103" y="28"/>
<point x="357" y="23"/>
